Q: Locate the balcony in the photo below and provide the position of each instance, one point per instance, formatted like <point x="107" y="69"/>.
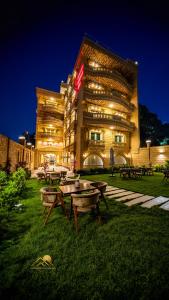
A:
<point x="101" y="118"/>
<point x="119" y="145"/>
<point x="111" y="74"/>
<point x="50" y="114"/>
<point x="95" y="144"/>
<point x="112" y="96"/>
<point x="50" y="119"/>
<point x="49" y="135"/>
<point x="50" y="108"/>
<point x="53" y="146"/>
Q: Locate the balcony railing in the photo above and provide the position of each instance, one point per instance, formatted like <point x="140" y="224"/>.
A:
<point x="119" y="145"/>
<point x="114" y="74"/>
<point x="109" y="96"/>
<point x="108" y="119"/>
<point x="50" y="108"/>
<point x="98" y="143"/>
<point x="48" y="134"/>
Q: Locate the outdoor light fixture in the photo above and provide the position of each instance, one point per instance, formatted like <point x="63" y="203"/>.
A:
<point x="148" y="142"/>
<point x="21" y="137"/>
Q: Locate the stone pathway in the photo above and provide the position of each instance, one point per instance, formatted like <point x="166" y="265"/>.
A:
<point x="139" y="200"/>
<point x="132" y="198"/>
<point x="155" y="201"/>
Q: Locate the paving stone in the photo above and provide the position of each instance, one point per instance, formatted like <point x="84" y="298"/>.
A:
<point x="165" y="206"/>
<point x="110" y="190"/>
<point x="128" y="197"/>
<point x="120" y="194"/>
<point x="139" y="200"/>
<point x="111" y="187"/>
<point x="156" y="201"/>
<point x="115" y="192"/>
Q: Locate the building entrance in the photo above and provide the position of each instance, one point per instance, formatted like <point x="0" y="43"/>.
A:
<point x="50" y="159"/>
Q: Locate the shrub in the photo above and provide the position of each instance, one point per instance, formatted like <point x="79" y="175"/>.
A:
<point x="3" y="177"/>
<point x="14" y="188"/>
<point x="167" y="164"/>
<point x="83" y="172"/>
<point x="19" y="177"/>
<point x="159" y="168"/>
<point x="9" y="194"/>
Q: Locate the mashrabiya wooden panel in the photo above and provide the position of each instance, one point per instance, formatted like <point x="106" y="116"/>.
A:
<point x="165" y="206"/>
<point x="139" y="200"/>
<point x="120" y="194"/>
<point x="132" y="196"/>
<point x="156" y="201"/>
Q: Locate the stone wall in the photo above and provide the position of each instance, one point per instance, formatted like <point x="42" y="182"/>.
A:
<point x="15" y="153"/>
<point x="154" y="155"/>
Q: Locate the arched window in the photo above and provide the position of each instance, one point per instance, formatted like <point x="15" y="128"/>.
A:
<point x="93" y="161"/>
<point x="120" y="160"/>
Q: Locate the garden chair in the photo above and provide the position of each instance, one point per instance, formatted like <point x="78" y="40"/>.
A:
<point x="50" y="200"/>
<point x="69" y="180"/>
<point x="83" y="203"/>
<point x="63" y="174"/>
<point x="101" y="186"/>
<point x="54" y="177"/>
<point x="41" y="176"/>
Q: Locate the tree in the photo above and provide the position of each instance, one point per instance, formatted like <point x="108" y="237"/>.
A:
<point x="151" y="127"/>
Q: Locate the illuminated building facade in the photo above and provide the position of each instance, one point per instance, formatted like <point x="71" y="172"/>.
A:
<point x="49" y="127"/>
<point x="96" y="112"/>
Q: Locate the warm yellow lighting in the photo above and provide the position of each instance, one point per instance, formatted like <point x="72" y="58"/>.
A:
<point x="111" y="105"/>
<point x="161" y="151"/>
<point x="85" y="155"/>
<point x="21" y="137"/>
<point x="112" y="127"/>
<point x="29" y="144"/>
<point x="51" y="98"/>
<point x="50" y="125"/>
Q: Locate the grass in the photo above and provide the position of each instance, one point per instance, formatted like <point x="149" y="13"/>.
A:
<point x="124" y="258"/>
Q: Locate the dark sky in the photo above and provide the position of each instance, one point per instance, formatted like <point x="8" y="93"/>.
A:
<point x="40" y="40"/>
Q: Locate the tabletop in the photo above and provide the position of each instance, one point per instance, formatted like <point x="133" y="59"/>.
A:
<point x="70" y="188"/>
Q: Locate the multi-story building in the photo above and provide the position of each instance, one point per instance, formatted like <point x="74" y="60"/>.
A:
<point x="101" y="109"/>
<point x="100" y="112"/>
<point x="49" y="127"/>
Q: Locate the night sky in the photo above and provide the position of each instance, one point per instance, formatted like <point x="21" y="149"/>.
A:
<point x="40" y="41"/>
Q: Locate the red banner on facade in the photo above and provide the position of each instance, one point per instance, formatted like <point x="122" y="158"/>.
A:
<point x="78" y="79"/>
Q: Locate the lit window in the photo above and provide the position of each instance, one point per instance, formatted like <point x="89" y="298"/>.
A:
<point x="95" y="136"/>
<point x="118" y="138"/>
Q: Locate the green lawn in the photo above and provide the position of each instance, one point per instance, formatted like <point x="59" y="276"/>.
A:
<point x="126" y="257"/>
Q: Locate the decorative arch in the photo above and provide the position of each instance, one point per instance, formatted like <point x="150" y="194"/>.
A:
<point x="93" y="161"/>
<point x="120" y="159"/>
